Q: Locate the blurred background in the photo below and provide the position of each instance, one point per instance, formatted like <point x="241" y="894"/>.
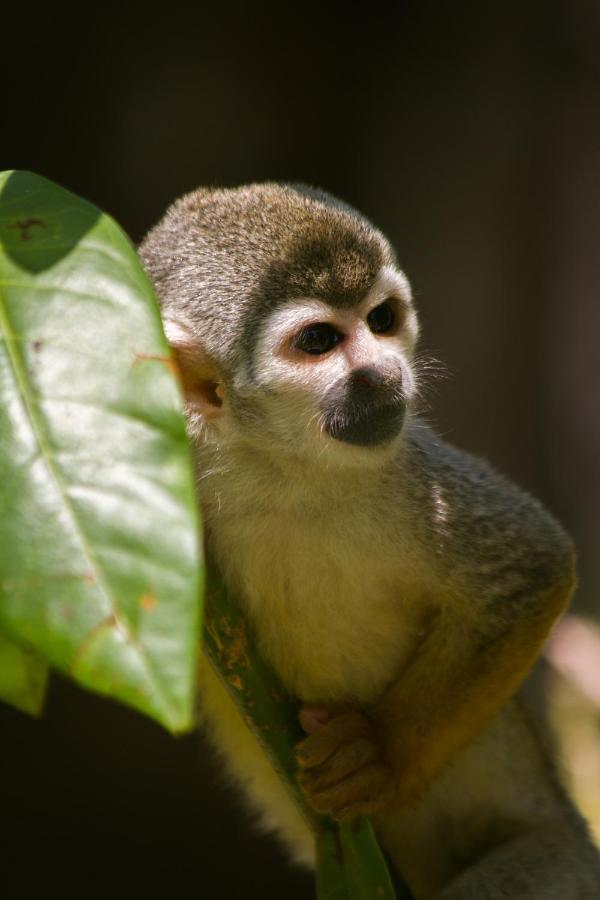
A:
<point x="470" y="133"/>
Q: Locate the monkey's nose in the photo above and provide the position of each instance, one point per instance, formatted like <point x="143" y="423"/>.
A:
<point x="366" y="377"/>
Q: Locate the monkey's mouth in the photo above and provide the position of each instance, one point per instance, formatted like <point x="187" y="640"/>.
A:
<point x="366" y="426"/>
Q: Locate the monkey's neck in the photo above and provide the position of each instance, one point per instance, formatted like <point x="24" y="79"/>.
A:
<point x="239" y="479"/>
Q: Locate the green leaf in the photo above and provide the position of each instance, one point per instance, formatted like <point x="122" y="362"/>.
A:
<point x="367" y="877"/>
<point x="23" y="678"/>
<point x="350" y="865"/>
<point x="330" y="874"/>
<point x="99" y="546"/>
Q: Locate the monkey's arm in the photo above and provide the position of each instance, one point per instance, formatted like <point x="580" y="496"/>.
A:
<point x="515" y="567"/>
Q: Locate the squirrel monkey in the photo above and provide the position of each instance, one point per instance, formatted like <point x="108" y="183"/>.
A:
<point x="400" y="587"/>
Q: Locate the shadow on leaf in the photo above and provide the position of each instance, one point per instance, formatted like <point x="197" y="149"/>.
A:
<point x="36" y="231"/>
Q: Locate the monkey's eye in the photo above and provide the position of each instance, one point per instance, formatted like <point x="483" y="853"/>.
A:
<point x="381" y="318"/>
<point x="317" y="339"/>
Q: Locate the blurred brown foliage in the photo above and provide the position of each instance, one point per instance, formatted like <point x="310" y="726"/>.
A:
<point x="573" y="687"/>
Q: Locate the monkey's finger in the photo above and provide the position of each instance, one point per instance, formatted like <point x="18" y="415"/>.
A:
<point x="342" y="729"/>
<point x="347" y="759"/>
<point x="368" y="789"/>
<point x="312" y="718"/>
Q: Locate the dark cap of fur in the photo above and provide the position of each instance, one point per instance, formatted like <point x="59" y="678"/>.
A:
<point x="222" y="259"/>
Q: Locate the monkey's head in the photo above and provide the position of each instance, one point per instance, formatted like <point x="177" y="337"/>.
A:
<point x="292" y="325"/>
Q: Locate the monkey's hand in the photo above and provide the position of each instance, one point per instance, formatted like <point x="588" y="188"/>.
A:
<point x="343" y="771"/>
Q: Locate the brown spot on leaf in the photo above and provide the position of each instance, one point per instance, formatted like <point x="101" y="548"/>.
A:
<point x="37" y="346"/>
<point x="24" y="225"/>
<point x="89" y="578"/>
<point x="148" y="602"/>
<point x="236" y="682"/>
<point x="230" y="641"/>
<point x="209" y="624"/>
<point x="235" y="644"/>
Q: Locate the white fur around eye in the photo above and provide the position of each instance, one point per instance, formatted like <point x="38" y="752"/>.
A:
<point x="277" y="363"/>
<point x="274" y="354"/>
<point x="290" y="320"/>
<point x="390" y="282"/>
<point x="393" y="284"/>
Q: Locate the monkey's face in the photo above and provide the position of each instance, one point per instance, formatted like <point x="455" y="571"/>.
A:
<point x="324" y="376"/>
<point x="322" y="382"/>
<point x="293" y="327"/>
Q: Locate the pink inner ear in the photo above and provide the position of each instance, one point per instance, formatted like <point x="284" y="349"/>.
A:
<point x="204" y="393"/>
<point x="199" y="374"/>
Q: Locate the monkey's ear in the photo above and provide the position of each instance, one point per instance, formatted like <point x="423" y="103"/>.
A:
<point x="200" y="378"/>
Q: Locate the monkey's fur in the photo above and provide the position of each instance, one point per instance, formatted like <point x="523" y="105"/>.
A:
<point x="400" y="588"/>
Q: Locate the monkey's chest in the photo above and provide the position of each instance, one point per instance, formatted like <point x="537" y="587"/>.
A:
<point x="332" y="612"/>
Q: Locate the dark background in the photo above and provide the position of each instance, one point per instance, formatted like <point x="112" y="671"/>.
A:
<point x="470" y="133"/>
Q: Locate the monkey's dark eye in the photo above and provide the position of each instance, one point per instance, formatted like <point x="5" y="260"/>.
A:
<point x="381" y="318"/>
<point x="317" y="339"/>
